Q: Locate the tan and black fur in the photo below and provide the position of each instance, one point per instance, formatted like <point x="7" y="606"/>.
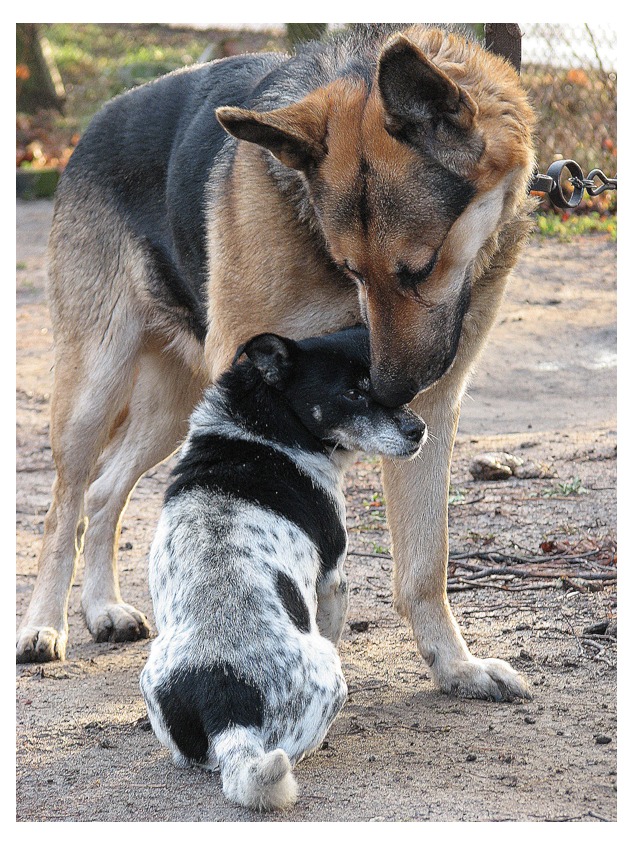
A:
<point x="380" y="175"/>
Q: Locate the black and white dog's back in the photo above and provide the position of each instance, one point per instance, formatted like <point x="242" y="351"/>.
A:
<point x="246" y="568"/>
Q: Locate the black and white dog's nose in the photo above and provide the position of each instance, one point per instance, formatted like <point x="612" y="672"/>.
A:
<point x="414" y="429"/>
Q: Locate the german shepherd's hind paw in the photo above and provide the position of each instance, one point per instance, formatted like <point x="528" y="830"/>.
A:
<point x="40" y="644"/>
<point x="117" y="623"/>
<point x="491" y="679"/>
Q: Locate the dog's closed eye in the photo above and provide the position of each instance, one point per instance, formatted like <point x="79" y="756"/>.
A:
<point x="411" y="279"/>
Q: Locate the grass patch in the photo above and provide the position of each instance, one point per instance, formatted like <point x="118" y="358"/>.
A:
<point x="456" y="496"/>
<point x="98" y="61"/>
<point x="567" y="226"/>
<point x="573" y="487"/>
<point x="374" y="508"/>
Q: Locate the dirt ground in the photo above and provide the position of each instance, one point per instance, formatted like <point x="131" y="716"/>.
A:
<point x="400" y="751"/>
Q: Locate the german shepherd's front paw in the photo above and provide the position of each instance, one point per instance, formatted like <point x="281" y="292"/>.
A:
<point x="116" y="623"/>
<point x="491" y="679"/>
<point x="40" y="644"/>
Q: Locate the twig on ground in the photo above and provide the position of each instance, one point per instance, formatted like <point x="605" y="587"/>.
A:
<point x="525" y="567"/>
<point x="572" y="631"/>
<point x="597" y="816"/>
<point x="584" y="567"/>
<point x="367" y="688"/>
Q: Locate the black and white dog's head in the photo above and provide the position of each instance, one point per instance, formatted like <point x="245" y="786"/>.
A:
<point x="325" y="382"/>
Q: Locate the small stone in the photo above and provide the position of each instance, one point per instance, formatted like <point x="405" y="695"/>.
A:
<point x="533" y="470"/>
<point x="494" y="466"/>
<point x="471" y="758"/>
<point x="359" y="627"/>
<point x="530" y="720"/>
<point x="602" y="739"/>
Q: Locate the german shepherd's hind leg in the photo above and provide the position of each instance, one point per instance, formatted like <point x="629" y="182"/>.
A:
<point x="164" y="394"/>
<point x="88" y="392"/>
<point x="417" y="500"/>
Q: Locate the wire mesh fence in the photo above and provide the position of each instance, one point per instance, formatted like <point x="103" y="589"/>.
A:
<point x="570" y="71"/>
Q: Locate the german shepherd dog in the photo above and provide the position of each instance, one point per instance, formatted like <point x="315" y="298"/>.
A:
<point x="381" y="176"/>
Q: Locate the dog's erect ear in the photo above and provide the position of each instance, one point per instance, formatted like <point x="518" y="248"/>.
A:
<point x="425" y="107"/>
<point x="271" y="354"/>
<point x="414" y="89"/>
<point x="293" y="134"/>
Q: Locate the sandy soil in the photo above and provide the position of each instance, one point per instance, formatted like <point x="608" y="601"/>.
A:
<point x="400" y="751"/>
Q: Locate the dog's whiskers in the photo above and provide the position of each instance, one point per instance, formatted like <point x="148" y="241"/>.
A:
<point x="334" y="448"/>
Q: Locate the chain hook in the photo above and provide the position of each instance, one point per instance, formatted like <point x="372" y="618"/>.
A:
<point x="552" y="183"/>
<point x="607" y="184"/>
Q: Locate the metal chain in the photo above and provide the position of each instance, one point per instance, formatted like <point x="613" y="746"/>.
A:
<point x="552" y="183"/>
<point x="606" y="183"/>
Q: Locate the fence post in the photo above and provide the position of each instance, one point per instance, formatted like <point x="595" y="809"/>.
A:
<point x="505" y="39"/>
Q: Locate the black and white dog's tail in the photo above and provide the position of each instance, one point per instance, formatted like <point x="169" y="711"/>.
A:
<point x="251" y="776"/>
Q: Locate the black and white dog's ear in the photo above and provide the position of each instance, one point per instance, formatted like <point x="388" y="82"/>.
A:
<point x="271" y="354"/>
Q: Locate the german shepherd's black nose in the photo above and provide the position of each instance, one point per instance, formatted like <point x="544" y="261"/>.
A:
<point x="393" y="395"/>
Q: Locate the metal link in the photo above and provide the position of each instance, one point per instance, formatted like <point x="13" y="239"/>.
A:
<point x="607" y="184"/>
<point x="552" y="183"/>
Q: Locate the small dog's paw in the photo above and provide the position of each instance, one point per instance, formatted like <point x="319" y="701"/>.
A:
<point x="117" y="623"/>
<point x="491" y="679"/>
<point x="40" y="644"/>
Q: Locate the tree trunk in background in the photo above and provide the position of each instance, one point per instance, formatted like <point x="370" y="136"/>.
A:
<point x="505" y="39"/>
<point x="38" y="83"/>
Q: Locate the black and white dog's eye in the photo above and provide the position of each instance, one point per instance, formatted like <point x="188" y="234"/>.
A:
<point x="354" y="396"/>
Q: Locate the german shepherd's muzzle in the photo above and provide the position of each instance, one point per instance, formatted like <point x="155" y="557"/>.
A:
<point x="379" y="176"/>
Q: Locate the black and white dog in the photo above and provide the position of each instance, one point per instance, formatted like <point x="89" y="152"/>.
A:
<point x="246" y="569"/>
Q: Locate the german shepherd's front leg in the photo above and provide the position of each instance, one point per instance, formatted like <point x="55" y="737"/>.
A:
<point x="417" y="502"/>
